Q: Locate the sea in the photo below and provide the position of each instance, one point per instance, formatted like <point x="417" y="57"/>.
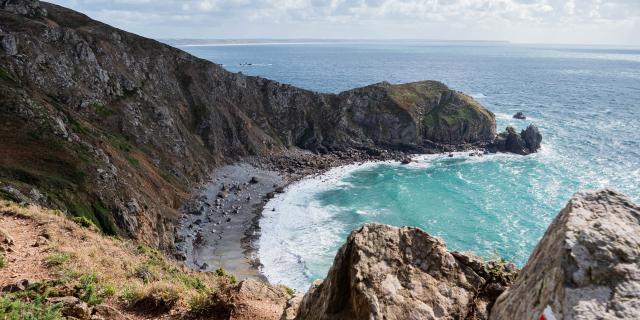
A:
<point x="584" y="99"/>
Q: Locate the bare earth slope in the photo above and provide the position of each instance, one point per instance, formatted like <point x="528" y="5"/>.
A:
<point x="118" y="128"/>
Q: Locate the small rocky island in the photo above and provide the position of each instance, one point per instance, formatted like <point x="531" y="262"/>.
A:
<point x="152" y="153"/>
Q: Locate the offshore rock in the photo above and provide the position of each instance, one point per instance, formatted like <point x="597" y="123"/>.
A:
<point x="383" y="272"/>
<point x="587" y="265"/>
<point x="527" y="142"/>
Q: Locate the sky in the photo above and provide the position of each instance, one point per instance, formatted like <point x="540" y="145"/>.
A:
<point x="519" y="21"/>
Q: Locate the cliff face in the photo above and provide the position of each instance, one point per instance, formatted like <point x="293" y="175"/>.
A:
<point x="383" y="272"/>
<point x="586" y="266"/>
<point x="118" y="128"/>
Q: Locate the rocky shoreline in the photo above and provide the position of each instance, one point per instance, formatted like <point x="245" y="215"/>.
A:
<point x="220" y="224"/>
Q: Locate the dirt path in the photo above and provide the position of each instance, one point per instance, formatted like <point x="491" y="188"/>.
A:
<point x="25" y="258"/>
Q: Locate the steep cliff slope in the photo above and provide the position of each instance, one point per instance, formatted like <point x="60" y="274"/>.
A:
<point x="118" y="128"/>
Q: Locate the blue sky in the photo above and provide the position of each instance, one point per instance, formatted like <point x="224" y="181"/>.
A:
<point x="527" y="21"/>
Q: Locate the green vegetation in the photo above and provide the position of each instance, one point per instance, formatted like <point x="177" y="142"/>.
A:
<point x="120" y="142"/>
<point x="290" y="291"/>
<point x="96" y="214"/>
<point x="57" y="259"/>
<point x="83" y="221"/>
<point x="106" y="270"/>
<point x="407" y="95"/>
<point x="88" y="290"/>
<point x="220" y="272"/>
<point x="7" y="76"/>
<point x="101" y="110"/>
<point x="3" y="261"/>
<point x="133" y="161"/>
<point x="16" y="307"/>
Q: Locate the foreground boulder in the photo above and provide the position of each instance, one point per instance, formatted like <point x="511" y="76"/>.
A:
<point x="527" y="142"/>
<point x="383" y="272"/>
<point x="587" y="265"/>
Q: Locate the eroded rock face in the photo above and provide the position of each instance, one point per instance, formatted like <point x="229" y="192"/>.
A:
<point x="587" y="265"/>
<point x="383" y="272"/>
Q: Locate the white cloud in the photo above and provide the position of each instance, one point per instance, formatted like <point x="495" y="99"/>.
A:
<point x="517" y="20"/>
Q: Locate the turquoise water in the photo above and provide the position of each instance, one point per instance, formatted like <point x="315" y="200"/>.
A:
<point x="584" y="99"/>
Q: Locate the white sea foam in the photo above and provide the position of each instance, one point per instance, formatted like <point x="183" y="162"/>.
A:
<point x="478" y="95"/>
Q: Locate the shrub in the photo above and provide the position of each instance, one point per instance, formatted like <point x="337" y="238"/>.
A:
<point x="3" y="261"/>
<point x="14" y="308"/>
<point x="83" y="222"/>
<point x="57" y="259"/>
<point x="192" y="282"/>
<point x="144" y="273"/>
<point x="158" y="298"/>
<point x="88" y="290"/>
<point x="131" y="294"/>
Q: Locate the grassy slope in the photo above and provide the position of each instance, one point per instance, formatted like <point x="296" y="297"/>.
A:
<point x="80" y="261"/>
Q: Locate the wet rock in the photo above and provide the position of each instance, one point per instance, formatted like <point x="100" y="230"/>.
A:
<point x="253" y="180"/>
<point x="527" y="142"/>
<point x="406" y="161"/>
<point x="383" y="272"/>
<point x="532" y="138"/>
<point x="519" y="115"/>
<point x="279" y="190"/>
<point x="586" y="266"/>
<point x="270" y="195"/>
<point x="72" y="307"/>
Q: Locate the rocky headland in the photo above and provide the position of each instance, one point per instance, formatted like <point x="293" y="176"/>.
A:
<point x="127" y="131"/>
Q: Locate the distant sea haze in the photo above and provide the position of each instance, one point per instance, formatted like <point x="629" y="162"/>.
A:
<point x="221" y="42"/>
<point x="583" y="99"/>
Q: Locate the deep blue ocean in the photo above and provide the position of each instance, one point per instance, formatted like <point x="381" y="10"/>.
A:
<point x="585" y="100"/>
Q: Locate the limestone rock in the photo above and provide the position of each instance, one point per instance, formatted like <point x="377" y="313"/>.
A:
<point x="383" y="272"/>
<point x="587" y="265"/>
<point x="72" y="307"/>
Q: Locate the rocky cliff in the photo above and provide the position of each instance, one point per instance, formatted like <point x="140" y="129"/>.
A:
<point x="586" y="266"/>
<point x="383" y="272"/>
<point x="118" y="128"/>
